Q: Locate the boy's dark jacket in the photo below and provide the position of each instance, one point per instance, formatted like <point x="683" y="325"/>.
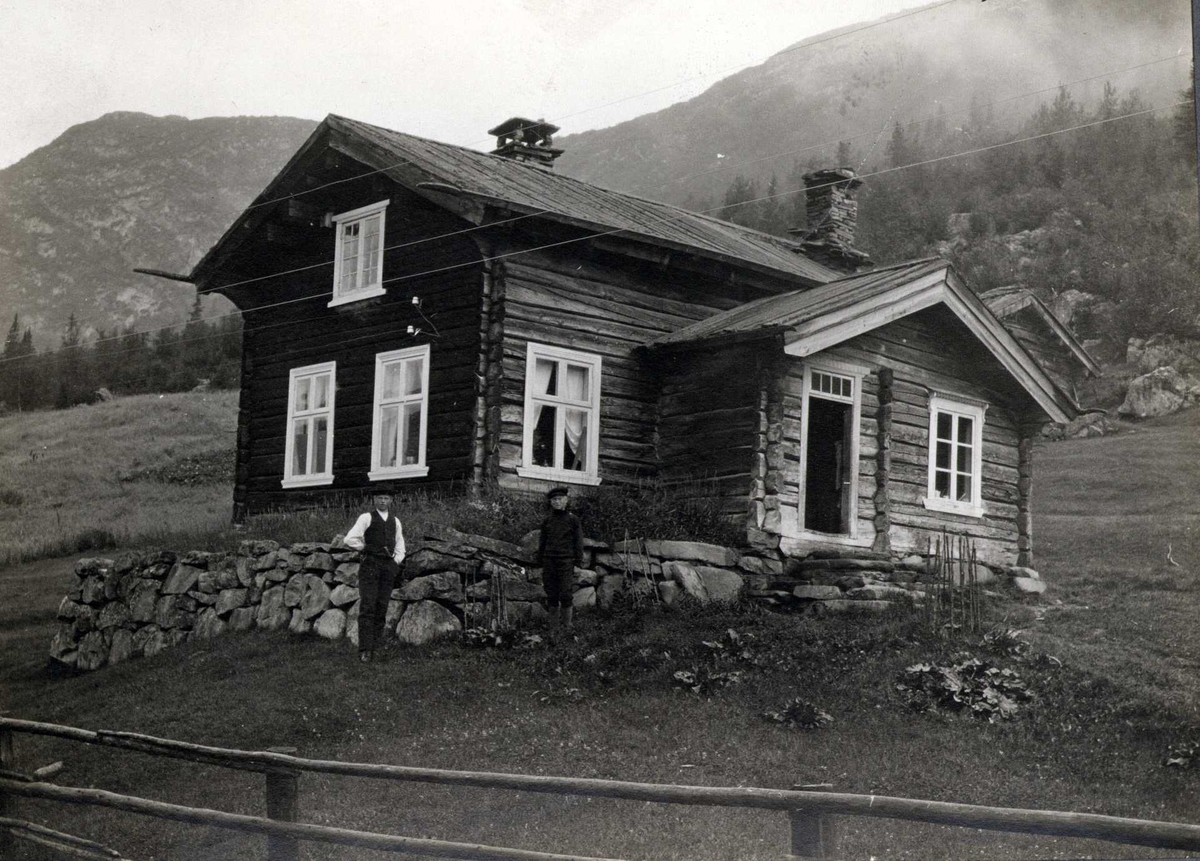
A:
<point x="562" y="538"/>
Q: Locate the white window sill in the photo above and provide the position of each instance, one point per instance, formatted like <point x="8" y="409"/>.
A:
<point x="946" y="506"/>
<point x="412" y="471"/>
<point x="308" y="481"/>
<point x="564" y="476"/>
<point x="356" y="296"/>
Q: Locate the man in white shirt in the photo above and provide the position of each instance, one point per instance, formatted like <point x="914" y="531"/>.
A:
<point x="379" y="536"/>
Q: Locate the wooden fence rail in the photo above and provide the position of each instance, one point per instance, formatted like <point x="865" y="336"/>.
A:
<point x="809" y="808"/>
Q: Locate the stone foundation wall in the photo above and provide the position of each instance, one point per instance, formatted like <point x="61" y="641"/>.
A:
<point x="141" y="603"/>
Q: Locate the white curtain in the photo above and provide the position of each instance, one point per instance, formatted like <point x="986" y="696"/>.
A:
<point x="542" y="371"/>
<point x="575" y="420"/>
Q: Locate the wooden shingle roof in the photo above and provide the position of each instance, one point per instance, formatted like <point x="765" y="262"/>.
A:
<point x="531" y="189"/>
<point x="431" y="166"/>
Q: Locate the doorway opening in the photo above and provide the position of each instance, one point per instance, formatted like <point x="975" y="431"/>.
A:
<point x="828" y="479"/>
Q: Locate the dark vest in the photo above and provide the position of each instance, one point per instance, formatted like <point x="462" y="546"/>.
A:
<point x="379" y="539"/>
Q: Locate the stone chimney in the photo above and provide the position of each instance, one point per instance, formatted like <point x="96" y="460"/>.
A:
<point x="526" y="140"/>
<point x="832" y="215"/>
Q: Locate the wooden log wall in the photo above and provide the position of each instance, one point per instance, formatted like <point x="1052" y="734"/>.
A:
<point x="1025" y="497"/>
<point x="596" y="304"/>
<point x="712" y="429"/>
<point x="280" y="337"/>
<point x="883" y="461"/>
<point x="927" y="351"/>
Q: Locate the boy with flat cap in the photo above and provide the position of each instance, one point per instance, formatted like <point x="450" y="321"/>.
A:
<point x="560" y="550"/>
<point x="379" y="536"/>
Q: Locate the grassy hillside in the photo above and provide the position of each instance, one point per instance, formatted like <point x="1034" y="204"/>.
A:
<point x="129" y="469"/>
<point x="1121" y="687"/>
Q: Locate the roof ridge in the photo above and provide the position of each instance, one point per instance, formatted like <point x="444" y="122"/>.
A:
<point x="780" y="241"/>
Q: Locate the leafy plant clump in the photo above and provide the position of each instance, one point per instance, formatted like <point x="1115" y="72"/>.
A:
<point x="1183" y="755"/>
<point x="799" y="713"/>
<point x="703" y="681"/>
<point x="969" y="686"/>
<point x="481" y="637"/>
<point x="733" y="647"/>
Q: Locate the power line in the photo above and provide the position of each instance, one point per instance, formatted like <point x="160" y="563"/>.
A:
<point x="590" y="236"/>
<point x="797" y="47"/>
<point x="684" y="178"/>
<point x="725" y="167"/>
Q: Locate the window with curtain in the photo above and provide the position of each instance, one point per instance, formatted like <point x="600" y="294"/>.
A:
<point x="401" y="409"/>
<point x="562" y="411"/>
<point x="955" y="456"/>
<point x="358" y="253"/>
<point x="308" y="450"/>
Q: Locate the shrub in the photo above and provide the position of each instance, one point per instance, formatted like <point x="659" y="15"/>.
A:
<point x="799" y="713"/>
<point x="970" y="686"/>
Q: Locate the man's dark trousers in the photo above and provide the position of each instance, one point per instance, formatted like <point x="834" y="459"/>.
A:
<point x="376" y="578"/>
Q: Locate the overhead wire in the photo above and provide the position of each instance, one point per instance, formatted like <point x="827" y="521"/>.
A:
<point x="801" y="45"/>
<point x="686" y="177"/>
<point x="540" y="212"/>
<point x="595" y="235"/>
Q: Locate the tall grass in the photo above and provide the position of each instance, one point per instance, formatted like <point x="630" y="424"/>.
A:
<point x="68" y="478"/>
<point x="132" y="473"/>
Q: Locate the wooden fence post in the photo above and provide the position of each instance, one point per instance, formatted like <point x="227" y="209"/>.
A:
<point x="8" y="803"/>
<point x="283" y="803"/>
<point x="813" y="834"/>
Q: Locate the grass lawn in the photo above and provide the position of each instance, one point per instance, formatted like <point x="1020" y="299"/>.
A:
<point x="90" y="476"/>
<point x="606" y="705"/>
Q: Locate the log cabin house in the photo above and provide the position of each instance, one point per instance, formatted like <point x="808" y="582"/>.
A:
<point x="419" y="313"/>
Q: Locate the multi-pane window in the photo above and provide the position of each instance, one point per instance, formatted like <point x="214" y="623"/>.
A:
<point x="955" y="456"/>
<point x="308" y="451"/>
<point x="400" y="414"/>
<point x="562" y="411"/>
<point x="833" y="385"/>
<point x="358" y="255"/>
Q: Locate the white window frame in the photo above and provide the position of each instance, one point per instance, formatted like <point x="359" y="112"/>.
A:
<point x="309" y="479"/>
<point x="382" y="360"/>
<point x="591" y="474"/>
<point x="856" y="373"/>
<point x="964" y="408"/>
<point x="339" y="221"/>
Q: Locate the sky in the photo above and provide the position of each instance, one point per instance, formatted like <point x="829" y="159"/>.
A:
<point x="445" y="69"/>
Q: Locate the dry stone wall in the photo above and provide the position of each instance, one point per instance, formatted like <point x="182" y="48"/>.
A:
<point x="138" y="604"/>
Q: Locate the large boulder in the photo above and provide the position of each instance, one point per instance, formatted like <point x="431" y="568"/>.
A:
<point x="331" y="625"/>
<point x="1159" y="393"/>
<point x="230" y="599"/>
<point x="316" y="597"/>
<point x="723" y="587"/>
<point x="181" y="579"/>
<point x="426" y="621"/>
<point x="687" y="551"/>
<point x="688" y="578"/>
<point x="273" y="614"/>
<point x="444" y="584"/>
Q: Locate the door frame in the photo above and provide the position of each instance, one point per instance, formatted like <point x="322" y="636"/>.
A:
<point x="855" y="373"/>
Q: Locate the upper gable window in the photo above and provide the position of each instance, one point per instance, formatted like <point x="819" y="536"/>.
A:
<point x="562" y="415"/>
<point x="308" y="455"/>
<point x="358" y="254"/>
<point x="955" y="457"/>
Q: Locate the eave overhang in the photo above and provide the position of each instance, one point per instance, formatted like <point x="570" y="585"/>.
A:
<point x="940" y="287"/>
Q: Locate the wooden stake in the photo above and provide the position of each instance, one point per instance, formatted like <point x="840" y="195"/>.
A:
<point x="813" y="834"/>
<point x="8" y="803"/>
<point x="283" y="805"/>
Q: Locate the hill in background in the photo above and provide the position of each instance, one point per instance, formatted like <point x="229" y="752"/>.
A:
<point x="126" y="190"/>
<point x="851" y="86"/>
